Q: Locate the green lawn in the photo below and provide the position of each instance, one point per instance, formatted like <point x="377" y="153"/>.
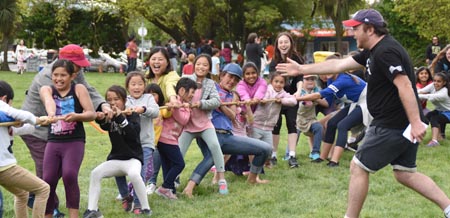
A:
<point x="312" y="190"/>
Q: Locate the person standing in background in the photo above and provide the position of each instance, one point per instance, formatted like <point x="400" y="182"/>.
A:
<point x="132" y="51"/>
<point x="253" y="50"/>
<point x="433" y="49"/>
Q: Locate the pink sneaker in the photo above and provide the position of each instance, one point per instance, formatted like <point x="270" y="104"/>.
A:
<point x="166" y="193"/>
<point x="433" y="143"/>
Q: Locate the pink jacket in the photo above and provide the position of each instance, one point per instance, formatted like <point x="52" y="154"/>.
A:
<point x="173" y="126"/>
<point x="266" y="115"/>
<point x="257" y="90"/>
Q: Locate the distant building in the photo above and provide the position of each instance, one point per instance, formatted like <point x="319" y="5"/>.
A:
<point x="323" y="39"/>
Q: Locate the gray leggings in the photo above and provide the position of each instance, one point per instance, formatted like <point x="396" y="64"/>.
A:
<point x="210" y="137"/>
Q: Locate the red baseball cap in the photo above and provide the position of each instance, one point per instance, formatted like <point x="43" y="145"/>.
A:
<point x="75" y="54"/>
<point x="369" y="16"/>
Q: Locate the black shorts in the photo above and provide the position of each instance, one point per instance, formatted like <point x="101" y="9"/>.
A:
<point x="383" y="146"/>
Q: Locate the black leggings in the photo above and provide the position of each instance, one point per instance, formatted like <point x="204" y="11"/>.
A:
<point x="290" y="114"/>
<point x="438" y="120"/>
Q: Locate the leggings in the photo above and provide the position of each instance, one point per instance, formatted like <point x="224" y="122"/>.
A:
<point x="342" y="123"/>
<point x="63" y="159"/>
<point x="290" y="114"/>
<point x="437" y="119"/>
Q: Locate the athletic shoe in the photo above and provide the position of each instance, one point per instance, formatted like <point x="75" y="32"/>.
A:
<point x="127" y="203"/>
<point x="318" y="160"/>
<point x="332" y="164"/>
<point x="166" y="193"/>
<point x="30" y="201"/>
<point x="314" y="156"/>
<point x="433" y="143"/>
<point x="223" y="187"/>
<point x="273" y="161"/>
<point x="57" y="214"/>
<point x="293" y="162"/>
<point x="150" y="188"/>
<point x="145" y="212"/>
<point x="119" y="197"/>
<point x="92" y="214"/>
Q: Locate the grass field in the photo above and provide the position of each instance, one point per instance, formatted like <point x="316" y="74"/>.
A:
<point x="310" y="191"/>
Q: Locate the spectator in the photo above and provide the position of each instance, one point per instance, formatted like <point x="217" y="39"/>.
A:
<point x="188" y="69"/>
<point x="441" y="62"/>
<point x="433" y="49"/>
<point x="253" y="50"/>
<point x="226" y="53"/>
<point x="132" y="51"/>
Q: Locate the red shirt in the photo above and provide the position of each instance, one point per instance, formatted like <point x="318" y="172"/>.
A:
<point x="188" y="69"/>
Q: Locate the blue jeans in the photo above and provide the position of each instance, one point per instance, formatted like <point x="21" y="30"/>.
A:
<point x="317" y="129"/>
<point x="342" y="121"/>
<point x="121" y="181"/>
<point x="172" y="163"/>
<point x="156" y="166"/>
<point x="232" y="144"/>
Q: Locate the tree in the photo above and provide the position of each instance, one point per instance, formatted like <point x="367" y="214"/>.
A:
<point x="8" y="10"/>
<point x="337" y="11"/>
<point x="406" y="33"/>
<point x="222" y="20"/>
<point x="429" y="17"/>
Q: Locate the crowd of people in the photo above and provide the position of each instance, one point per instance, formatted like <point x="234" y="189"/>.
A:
<point x="230" y="111"/>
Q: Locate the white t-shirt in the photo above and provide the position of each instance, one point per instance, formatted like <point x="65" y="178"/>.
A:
<point x="215" y="63"/>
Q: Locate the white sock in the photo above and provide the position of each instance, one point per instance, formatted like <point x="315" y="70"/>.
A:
<point x="351" y="139"/>
<point x="291" y="153"/>
<point x="447" y="211"/>
<point x="222" y="181"/>
<point x="274" y="154"/>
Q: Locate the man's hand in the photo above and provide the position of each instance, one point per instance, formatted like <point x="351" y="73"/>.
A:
<point x="290" y="68"/>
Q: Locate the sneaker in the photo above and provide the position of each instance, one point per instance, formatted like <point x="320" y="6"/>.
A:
<point x="293" y="162"/>
<point x="92" y="214"/>
<point x="30" y="201"/>
<point x="314" y="156"/>
<point x="223" y="187"/>
<point x="127" y="203"/>
<point x="318" y="160"/>
<point x="332" y="164"/>
<point x="150" y="188"/>
<point x="166" y="193"/>
<point x="58" y="214"/>
<point x="433" y="143"/>
<point x="119" y="197"/>
<point x="139" y="210"/>
<point x="273" y="161"/>
<point x="176" y="184"/>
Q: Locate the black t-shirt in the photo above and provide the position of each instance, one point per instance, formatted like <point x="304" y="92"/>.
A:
<point x="291" y="82"/>
<point x="383" y="63"/>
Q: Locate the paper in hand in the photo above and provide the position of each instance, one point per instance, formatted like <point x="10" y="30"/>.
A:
<point x="407" y="133"/>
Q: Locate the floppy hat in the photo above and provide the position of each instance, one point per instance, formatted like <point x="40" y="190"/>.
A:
<point x="233" y="69"/>
<point x="369" y="16"/>
<point x="75" y="54"/>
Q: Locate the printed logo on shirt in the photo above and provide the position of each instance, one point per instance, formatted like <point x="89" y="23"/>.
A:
<point x="392" y="69"/>
<point x="63" y="106"/>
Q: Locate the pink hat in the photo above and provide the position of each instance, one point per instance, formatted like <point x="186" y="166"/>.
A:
<point x="75" y="54"/>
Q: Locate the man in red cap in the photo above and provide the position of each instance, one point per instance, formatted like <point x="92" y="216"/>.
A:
<point x="37" y="141"/>
<point x="392" y="101"/>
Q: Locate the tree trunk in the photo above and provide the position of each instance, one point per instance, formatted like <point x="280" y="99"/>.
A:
<point x="4" y="48"/>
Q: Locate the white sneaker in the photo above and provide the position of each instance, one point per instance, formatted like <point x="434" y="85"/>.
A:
<point x="151" y="188"/>
<point x="119" y="197"/>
